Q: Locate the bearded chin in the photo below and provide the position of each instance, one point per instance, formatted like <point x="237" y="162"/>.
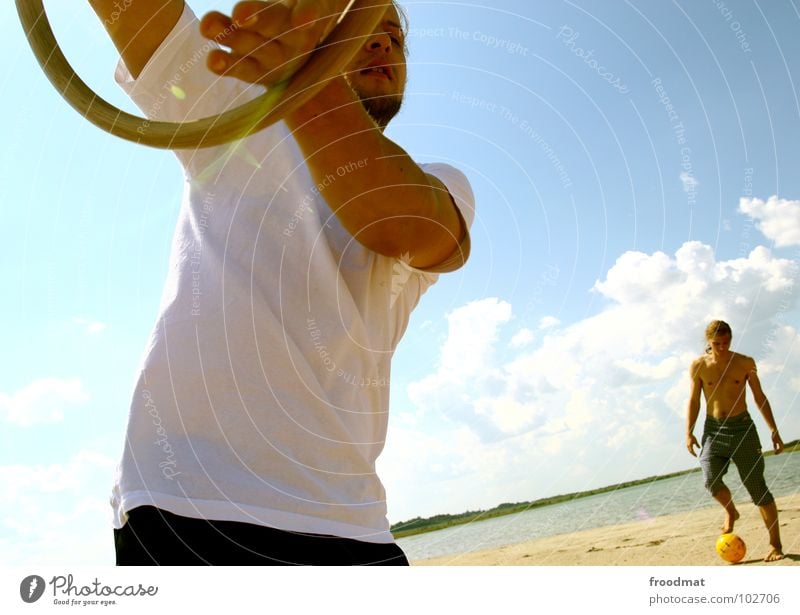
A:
<point x="382" y="108"/>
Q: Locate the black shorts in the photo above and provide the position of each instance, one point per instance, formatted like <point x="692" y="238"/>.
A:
<point x="156" y="537"/>
<point x="734" y="439"/>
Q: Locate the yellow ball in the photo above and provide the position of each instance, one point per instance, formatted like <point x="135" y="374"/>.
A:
<point x="731" y="548"/>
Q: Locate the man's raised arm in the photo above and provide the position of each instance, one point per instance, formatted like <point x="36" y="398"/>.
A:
<point x="393" y="207"/>
<point x="138" y="27"/>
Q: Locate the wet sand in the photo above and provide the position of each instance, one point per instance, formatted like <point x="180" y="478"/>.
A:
<point x="683" y="539"/>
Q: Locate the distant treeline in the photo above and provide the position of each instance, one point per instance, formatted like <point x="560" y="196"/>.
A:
<point x="418" y="525"/>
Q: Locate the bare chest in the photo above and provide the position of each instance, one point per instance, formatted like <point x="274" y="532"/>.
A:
<point x="723" y="380"/>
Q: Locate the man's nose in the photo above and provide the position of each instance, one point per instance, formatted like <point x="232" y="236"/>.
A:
<point x="380" y="41"/>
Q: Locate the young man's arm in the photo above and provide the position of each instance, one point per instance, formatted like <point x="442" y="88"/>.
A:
<point x="138" y="28"/>
<point x="693" y="409"/>
<point x="762" y="403"/>
<point x="391" y="206"/>
<point x="388" y="203"/>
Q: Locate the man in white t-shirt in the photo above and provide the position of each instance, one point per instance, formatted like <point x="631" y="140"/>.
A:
<point x="262" y="399"/>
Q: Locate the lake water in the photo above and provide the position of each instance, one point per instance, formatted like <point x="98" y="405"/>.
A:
<point x="664" y="497"/>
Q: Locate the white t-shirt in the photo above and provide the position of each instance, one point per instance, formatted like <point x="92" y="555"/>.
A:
<point x="263" y="392"/>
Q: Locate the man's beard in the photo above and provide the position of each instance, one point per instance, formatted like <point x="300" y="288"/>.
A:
<point x="382" y="108"/>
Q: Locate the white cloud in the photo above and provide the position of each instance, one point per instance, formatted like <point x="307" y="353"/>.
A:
<point x="92" y="327"/>
<point x="603" y="400"/>
<point x="469" y="348"/>
<point x="508" y="414"/>
<point x="42" y="401"/>
<point x="548" y="322"/>
<point x="522" y="338"/>
<point x="778" y="219"/>
<point x="57" y="514"/>
<point x="645" y="371"/>
<point x="54" y="478"/>
<point x="473" y="331"/>
<point x="689" y="182"/>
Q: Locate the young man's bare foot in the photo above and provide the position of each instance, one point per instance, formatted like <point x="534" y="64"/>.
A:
<point x="774" y="555"/>
<point x="731" y="517"/>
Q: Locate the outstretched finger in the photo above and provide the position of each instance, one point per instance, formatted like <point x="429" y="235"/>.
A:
<point x="269" y="19"/>
<point x="251" y="14"/>
<point x="245" y="68"/>
<point x="321" y="15"/>
<point x="215" y="24"/>
<point x="243" y="42"/>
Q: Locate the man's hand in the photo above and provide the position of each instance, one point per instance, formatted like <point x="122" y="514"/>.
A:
<point x="777" y="442"/>
<point x="691" y="442"/>
<point x="268" y="41"/>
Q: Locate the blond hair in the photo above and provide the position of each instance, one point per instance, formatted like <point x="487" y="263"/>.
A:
<point x="715" y="328"/>
<point x="718" y="327"/>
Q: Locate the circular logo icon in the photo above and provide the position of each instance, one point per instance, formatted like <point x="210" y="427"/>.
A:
<point x="31" y="588"/>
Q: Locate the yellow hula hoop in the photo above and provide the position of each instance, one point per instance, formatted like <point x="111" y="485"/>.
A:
<point x="329" y="60"/>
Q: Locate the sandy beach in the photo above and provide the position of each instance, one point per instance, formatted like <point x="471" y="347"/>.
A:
<point x="684" y="539"/>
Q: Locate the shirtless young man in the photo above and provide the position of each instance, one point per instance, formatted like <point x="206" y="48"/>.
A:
<point x="729" y="433"/>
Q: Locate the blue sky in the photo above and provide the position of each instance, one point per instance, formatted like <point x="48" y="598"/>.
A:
<point x="635" y="168"/>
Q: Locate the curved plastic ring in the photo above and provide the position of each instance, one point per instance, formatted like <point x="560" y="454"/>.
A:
<point x="330" y="59"/>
